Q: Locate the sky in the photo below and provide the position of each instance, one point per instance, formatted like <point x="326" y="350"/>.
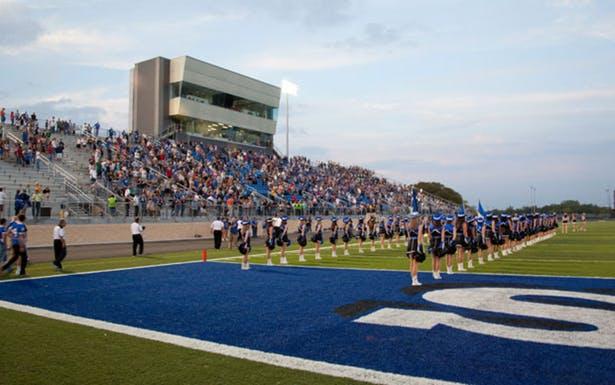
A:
<point x="487" y="97"/>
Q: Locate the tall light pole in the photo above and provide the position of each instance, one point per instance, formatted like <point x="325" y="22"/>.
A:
<point x="533" y="197"/>
<point x="288" y="88"/>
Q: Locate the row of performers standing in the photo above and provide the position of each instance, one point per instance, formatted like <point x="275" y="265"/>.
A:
<point x="447" y="237"/>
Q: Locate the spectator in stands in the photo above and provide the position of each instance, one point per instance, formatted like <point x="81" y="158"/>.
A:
<point x="37" y="200"/>
<point x="112" y="204"/>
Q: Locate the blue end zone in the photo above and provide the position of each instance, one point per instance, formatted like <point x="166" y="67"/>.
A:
<point x="309" y="313"/>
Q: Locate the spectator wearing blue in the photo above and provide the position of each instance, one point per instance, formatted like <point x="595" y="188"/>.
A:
<point x="2" y="241"/>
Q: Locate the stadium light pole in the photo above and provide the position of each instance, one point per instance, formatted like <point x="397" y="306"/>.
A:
<point x="288" y="88"/>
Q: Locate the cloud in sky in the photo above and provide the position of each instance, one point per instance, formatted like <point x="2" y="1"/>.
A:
<point x="524" y="89"/>
<point x="17" y="28"/>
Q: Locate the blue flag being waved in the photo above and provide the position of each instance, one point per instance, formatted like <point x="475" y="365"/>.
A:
<point x="481" y="210"/>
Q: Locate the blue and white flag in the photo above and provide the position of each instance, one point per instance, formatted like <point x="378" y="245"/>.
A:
<point x="481" y="211"/>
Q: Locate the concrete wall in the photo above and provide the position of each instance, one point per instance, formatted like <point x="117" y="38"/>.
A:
<point x="41" y="235"/>
<point x="150" y="95"/>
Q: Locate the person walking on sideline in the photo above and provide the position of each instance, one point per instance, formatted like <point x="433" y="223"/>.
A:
<point x="137" y="239"/>
<point x="59" y="244"/>
<point x="217" y="227"/>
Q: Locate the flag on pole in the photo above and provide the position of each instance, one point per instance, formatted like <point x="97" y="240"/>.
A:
<point x="481" y="211"/>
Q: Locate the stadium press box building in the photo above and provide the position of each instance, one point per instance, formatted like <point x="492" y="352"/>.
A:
<point x="194" y="100"/>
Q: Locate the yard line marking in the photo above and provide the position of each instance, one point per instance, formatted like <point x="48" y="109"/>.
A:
<point x="290" y="362"/>
<point x="146" y="266"/>
<point x="421" y="272"/>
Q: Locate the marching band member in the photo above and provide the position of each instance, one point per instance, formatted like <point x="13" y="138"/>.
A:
<point x="449" y="243"/>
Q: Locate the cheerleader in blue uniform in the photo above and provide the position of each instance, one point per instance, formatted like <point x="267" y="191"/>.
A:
<point x="372" y="231"/>
<point x="481" y="241"/>
<point x="449" y="243"/>
<point x="565" y="220"/>
<point x="515" y="233"/>
<point x="436" y="243"/>
<point x="283" y="241"/>
<point x="317" y="237"/>
<point x="334" y="236"/>
<point x="489" y="237"/>
<point x="461" y="239"/>
<point x="506" y="229"/>
<point x="361" y="233"/>
<point x="382" y="232"/>
<point x="472" y="245"/>
<point x="414" y="249"/>
<point x="388" y="231"/>
<point x="302" y="238"/>
<point x="270" y="240"/>
<point x="397" y="230"/>
<point x="244" y="246"/>
<point x="347" y="233"/>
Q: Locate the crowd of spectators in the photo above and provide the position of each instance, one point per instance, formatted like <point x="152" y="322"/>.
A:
<point x="167" y="177"/>
<point x="148" y="176"/>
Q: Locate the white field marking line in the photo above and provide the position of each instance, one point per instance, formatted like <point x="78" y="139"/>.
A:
<point x="559" y="260"/>
<point x="275" y="359"/>
<point x="144" y="266"/>
<point x="422" y="272"/>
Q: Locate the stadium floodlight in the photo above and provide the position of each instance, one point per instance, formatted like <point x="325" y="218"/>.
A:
<point x="288" y="88"/>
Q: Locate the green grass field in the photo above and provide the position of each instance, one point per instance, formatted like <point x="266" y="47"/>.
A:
<point x="36" y="350"/>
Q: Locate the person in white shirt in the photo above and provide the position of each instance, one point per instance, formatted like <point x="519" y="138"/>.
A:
<point x="137" y="239"/>
<point x="217" y="227"/>
<point x="59" y="244"/>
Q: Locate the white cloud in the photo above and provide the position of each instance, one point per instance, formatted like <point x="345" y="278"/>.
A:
<point x="16" y="27"/>
<point x="96" y="104"/>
